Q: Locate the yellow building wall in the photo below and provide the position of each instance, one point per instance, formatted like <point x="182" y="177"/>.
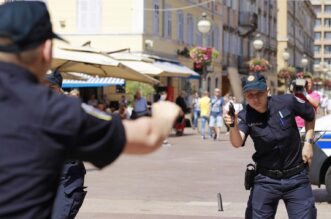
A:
<point x="282" y="35"/>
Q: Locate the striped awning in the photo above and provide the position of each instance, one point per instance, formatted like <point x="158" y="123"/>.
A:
<point x="91" y="81"/>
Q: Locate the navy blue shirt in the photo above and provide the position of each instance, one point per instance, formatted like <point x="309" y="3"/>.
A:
<point x="39" y="130"/>
<point x="275" y="133"/>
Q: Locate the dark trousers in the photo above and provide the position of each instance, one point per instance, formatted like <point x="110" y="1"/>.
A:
<point x="295" y="191"/>
<point x="70" y="193"/>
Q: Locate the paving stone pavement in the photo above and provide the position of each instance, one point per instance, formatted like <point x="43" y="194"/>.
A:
<point x="179" y="181"/>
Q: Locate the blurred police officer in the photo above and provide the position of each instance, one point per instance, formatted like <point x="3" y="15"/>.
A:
<point x="70" y="192"/>
<point x="280" y="158"/>
<point x="40" y="129"/>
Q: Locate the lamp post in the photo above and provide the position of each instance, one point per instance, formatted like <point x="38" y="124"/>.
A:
<point x="286" y="57"/>
<point x="258" y="44"/>
<point x="304" y="62"/>
<point x="204" y="26"/>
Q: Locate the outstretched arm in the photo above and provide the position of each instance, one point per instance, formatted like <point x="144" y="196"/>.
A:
<point x="146" y="134"/>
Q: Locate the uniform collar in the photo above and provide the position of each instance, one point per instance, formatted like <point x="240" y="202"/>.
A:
<point x="17" y="71"/>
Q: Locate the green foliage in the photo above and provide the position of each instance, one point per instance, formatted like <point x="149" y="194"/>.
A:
<point x="132" y="86"/>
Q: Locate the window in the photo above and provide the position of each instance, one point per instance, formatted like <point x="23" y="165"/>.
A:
<point x="327" y="49"/>
<point x="167" y="23"/>
<point x="327" y="22"/>
<point x="317" y="49"/>
<point x="318" y="23"/>
<point x="327" y="61"/>
<point x="317" y="61"/>
<point x="156" y="17"/>
<point x="317" y="9"/>
<point x="217" y="39"/>
<point x="327" y="8"/>
<point x="317" y="36"/>
<point x="88" y="16"/>
<point x="216" y="83"/>
<point x="180" y="26"/>
<point x="327" y="35"/>
<point x="190" y="29"/>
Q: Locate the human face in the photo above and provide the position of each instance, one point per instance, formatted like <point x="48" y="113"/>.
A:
<point x="257" y="100"/>
<point x="217" y="92"/>
<point x="309" y="84"/>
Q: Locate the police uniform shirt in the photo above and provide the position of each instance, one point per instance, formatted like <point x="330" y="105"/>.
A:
<point x="274" y="133"/>
<point x="39" y="129"/>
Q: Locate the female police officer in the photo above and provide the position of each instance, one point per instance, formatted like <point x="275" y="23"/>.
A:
<point x="280" y="159"/>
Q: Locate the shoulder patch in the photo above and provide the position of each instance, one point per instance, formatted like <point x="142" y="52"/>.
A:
<point x="95" y="112"/>
<point x="300" y="100"/>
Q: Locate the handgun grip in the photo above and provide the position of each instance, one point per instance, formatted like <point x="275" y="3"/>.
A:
<point x="231" y="113"/>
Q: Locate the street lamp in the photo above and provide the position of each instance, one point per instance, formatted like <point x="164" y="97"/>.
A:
<point x="286" y="56"/>
<point x="204" y="26"/>
<point x="304" y="62"/>
<point x="258" y="44"/>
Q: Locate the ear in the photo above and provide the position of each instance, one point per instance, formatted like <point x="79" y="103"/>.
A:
<point x="46" y="51"/>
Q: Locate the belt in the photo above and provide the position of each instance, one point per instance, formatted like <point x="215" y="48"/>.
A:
<point x="282" y="174"/>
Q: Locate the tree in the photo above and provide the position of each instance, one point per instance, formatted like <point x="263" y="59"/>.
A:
<point x="145" y="89"/>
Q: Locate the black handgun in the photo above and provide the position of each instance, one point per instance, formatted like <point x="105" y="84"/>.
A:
<point x="231" y="113"/>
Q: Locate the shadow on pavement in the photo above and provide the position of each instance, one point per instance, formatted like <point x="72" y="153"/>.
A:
<point x="321" y="195"/>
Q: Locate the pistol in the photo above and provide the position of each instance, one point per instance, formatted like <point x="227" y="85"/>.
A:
<point x="231" y="113"/>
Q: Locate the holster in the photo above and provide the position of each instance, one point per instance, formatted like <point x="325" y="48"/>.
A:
<point x="250" y="173"/>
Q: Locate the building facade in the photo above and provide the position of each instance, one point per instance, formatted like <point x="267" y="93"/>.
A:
<point x="259" y="17"/>
<point x="322" y="36"/>
<point x="161" y="28"/>
<point x="296" y="20"/>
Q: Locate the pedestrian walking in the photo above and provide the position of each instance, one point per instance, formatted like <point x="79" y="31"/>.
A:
<point x="196" y="109"/>
<point x="281" y="160"/>
<point x="204" y="105"/>
<point x="41" y="129"/>
<point x="216" y="119"/>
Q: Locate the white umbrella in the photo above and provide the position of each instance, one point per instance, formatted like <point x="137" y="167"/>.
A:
<point x="91" y="61"/>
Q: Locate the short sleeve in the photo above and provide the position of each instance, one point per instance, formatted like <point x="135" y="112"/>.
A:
<point x="101" y="137"/>
<point x="302" y="109"/>
<point x="242" y="125"/>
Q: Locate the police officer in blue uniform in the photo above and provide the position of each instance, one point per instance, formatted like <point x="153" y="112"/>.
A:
<point x="70" y="192"/>
<point x="281" y="160"/>
<point x="41" y="129"/>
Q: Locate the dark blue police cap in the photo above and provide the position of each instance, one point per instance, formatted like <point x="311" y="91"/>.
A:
<point x="55" y="78"/>
<point x="26" y="24"/>
<point x="254" y="81"/>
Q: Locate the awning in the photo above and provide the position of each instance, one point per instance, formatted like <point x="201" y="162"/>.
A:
<point x="174" y="69"/>
<point x="154" y="65"/>
<point x="90" y="81"/>
<point x="94" y="62"/>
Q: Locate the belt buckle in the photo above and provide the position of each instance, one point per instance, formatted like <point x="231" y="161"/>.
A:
<point x="279" y="174"/>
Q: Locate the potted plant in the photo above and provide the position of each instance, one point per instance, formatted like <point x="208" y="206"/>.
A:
<point x="286" y="73"/>
<point x="203" y="56"/>
<point x="258" y="65"/>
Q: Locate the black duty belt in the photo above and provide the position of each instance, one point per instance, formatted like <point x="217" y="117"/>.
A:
<point x="282" y="174"/>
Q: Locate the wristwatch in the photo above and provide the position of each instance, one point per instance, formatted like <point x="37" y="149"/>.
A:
<point x="310" y="141"/>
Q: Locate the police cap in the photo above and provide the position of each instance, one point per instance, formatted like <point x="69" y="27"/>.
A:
<point x="254" y="81"/>
<point x="26" y="24"/>
<point x="55" y="78"/>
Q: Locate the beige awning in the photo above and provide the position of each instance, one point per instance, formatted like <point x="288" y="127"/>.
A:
<point x="94" y="62"/>
<point x="154" y="65"/>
